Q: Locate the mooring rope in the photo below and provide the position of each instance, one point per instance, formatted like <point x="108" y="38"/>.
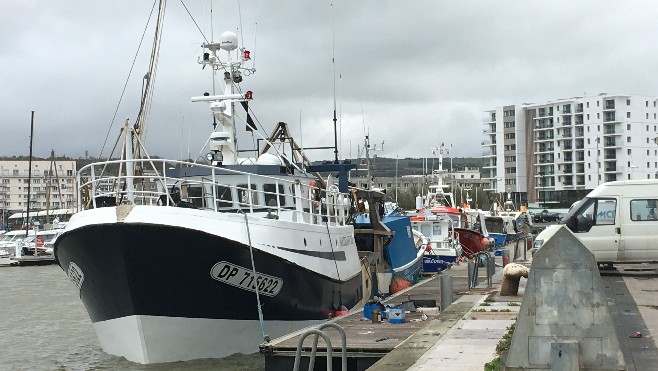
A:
<point x="266" y="338"/>
<point x="333" y="254"/>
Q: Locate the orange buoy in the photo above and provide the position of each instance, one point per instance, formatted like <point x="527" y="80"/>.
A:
<point x="485" y="241"/>
<point x="398" y="284"/>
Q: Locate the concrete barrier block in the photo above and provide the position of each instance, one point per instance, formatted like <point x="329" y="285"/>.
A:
<point x="564" y="303"/>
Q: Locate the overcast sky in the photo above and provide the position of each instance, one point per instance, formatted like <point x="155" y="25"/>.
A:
<point x="413" y="73"/>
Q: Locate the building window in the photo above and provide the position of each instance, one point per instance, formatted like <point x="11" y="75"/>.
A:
<point x="628" y="126"/>
<point x="588" y="116"/>
<point x="597" y="103"/>
<point x="628" y="102"/>
<point x="628" y="151"/>
<point x="628" y="115"/>
<point x="598" y="115"/>
<point x="587" y="104"/>
<point x="647" y="104"/>
<point x="628" y="139"/>
<point x="647" y="115"/>
<point x="14" y="173"/>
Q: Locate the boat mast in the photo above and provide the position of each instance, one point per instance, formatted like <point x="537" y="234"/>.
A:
<point x="29" y="178"/>
<point x="223" y="140"/>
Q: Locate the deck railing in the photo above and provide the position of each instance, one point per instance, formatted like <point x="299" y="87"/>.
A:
<point x="158" y="182"/>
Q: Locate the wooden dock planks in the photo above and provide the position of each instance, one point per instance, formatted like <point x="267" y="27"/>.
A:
<point x="366" y="342"/>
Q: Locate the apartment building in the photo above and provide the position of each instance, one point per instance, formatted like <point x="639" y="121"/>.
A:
<point x="556" y="152"/>
<point x="52" y="186"/>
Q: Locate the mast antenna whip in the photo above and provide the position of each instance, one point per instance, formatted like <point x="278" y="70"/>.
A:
<point x="333" y="62"/>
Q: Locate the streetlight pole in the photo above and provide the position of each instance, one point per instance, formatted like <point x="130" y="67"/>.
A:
<point x="598" y="163"/>
<point x="543" y="181"/>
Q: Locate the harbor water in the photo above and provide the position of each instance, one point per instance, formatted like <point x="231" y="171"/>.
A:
<point x="44" y="326"/>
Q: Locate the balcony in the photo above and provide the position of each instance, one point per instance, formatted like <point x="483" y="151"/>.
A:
<point x="566" y="120"/>
<point x="613" y="169"/>
<point x="609" y="117"/>
<point x="567" y="147"/>
<point x="545" y="137"/>
<point x="609" y="104"/>
<point x="579" y="108"/>
<point x="580" y="133"/>
<point x="488" y="154"/>
<point x="543" y="112"/>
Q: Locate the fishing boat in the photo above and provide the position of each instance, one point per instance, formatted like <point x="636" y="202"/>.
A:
<point x="216" y="257"/>
<point x="401" y="252"/>
<point x="436" y="233"/>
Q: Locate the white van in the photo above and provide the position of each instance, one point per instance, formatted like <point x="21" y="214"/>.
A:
<point x="617" y="222"/>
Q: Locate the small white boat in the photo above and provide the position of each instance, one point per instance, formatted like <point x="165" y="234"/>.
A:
<point x="5" y="258"/>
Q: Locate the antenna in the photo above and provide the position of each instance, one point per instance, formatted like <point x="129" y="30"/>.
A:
<point x="333" y="62"/>
<point x="241" y="33"/>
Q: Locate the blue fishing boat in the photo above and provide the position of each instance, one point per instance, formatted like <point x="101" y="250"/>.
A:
<point x="400" y="251"/>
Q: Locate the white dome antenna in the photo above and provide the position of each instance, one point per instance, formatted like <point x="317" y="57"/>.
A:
<point x="228" y="41"/>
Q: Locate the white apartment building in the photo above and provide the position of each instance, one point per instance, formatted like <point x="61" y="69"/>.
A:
<point x="52" y="186"/>
<point x="556" y="152"/>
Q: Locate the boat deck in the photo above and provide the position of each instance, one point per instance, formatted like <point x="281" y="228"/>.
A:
<point x="366" y="342"/>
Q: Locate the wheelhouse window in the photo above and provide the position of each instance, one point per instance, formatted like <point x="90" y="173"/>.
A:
<point x="271" y="194"/>
<point x="593" y="212"/>
<point x="195" y="194"/>
<point x="644" y="209"/>
<point x="247" y="194"/>
<point x="224" y="197"/>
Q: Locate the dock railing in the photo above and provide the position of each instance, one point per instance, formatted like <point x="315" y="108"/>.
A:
<point x="318" y="332"/>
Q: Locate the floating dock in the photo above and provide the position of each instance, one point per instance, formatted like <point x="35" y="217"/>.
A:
<point x="33" y="260"/>
<point x="367" y="342"/>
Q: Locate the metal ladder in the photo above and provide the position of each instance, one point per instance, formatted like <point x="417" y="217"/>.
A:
<point x="318" y="332"/>
<point x="473" y="268"/>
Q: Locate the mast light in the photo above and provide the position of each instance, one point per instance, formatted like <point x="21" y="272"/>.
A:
<point x="249" y="95"/>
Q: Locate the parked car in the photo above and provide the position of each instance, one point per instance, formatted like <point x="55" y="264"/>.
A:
<point x="546" y="217"/>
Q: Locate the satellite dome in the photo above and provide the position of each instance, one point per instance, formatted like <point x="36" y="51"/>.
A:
<point x="228" y="41"/>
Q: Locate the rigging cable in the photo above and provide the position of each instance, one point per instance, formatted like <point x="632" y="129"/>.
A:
<point x="142" y="118"/>
<point x="125" y="85"/>
<point x="333" y="255"/>
<point x="266" y="338"/>
<point x="193" y="20"/>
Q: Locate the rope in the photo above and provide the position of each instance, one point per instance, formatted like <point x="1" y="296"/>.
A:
<point x="340" y="282"/>
<point x="125" y="85"/>
<point x="266" y="338"/>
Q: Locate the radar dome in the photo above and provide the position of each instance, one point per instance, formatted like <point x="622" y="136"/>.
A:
<point x="228" y="41"/>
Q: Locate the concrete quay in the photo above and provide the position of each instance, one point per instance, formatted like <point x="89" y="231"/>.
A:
<point x="465" y="336"/>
